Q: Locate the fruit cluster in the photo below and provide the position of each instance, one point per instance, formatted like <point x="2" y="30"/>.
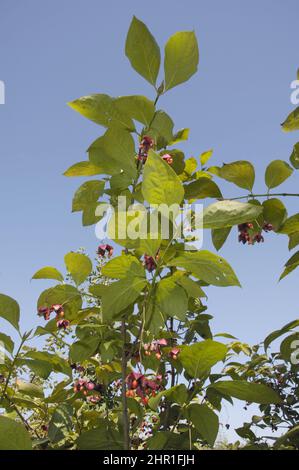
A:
<point x="105" y="249"/>
<point x="86" y="387"/>
<point x="145" y="145"/>
<point x="248" y="235"/>
<point x="150" y="263"/>
<point x="167" y="158"/>
<point x="143" y="387"/>
<point x="155" y="347"/>
<point x="58" y="310"/>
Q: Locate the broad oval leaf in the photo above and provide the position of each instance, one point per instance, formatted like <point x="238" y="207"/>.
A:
<point x="248" y="391"/>
<point x="294" y="158"/>
<point x="219" y="236"/>
<point x="64" y="294"/>
<point x="207" y="267"/>
<point x="100" y="438"/>
<point x="123" y="266"/>
<point x="160" y="183"/>
<point x="276" y="173"/>
<point x="138" y="107"/>
<point x="113" y="153"/>
<point x="121" y="294"/>
<point x="172" y="299"/>
<point x="205" y="421"/>
<point x="292" y="121"/>
<point x="7" y="342"/>
<point x="84" y="168"/>
<point x="198" y="359"/>
<point x="13" y="435"/>
<point x="30" y="389"/>
<point x="202" y="188"/>
<point x="289" y="349"/>
<point x="143" y="51"/>
<point x="290" y="225"/>
<point x="88" y="193"/>
<point x="79" y="266"/>
<point x="101" y="109"/>
<point x="275" y="212"/>
<point x="240" y="173"/>
<point x="277" y="333"/>
<point x="176" y="394"/>
<point x="181" y="58"/>
<point x="293" y="240"/>
<point x="48" y="272"/>
<point x="10" y="310"/>
<point x="228" y="213"/>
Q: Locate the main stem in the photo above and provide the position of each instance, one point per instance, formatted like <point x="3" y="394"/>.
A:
<point x="126" y="423"/>
<point x="124" y="358"/>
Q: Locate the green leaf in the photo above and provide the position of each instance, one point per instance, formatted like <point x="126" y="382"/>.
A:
<point x="293" y="240"/>
<point x="275" y="212"/>
<point x="198" y="358"/>
<point x="48" y="272"/>
<point x="172" y="299"/>
<point x="202" y="188"/>
<point x="160" y="183"/>
<point x="289" y="349"/>
<point x="205" y="157"/>
<point x="294" y="158"/>
<point x="83" y="169"/>
<point x="113" y="153"/>
<point x="290" y="436"/>
<point x="30" y="389"/>
<point x="228" y="213"/>
<point x="180" y="136"/>
<point x="40" y="368"/>
<point x="251" y="392"/>
<point x="101" y="109"/>
<point x="219" y="236"/>
<point x="120" y="295"/>
<point x="207" y="267"/>
<point x="290" y="225"/>
<point x="66" y="295"/>
<point x="9" y="310"/>
<point x="177" y="394"/>
<point x="8" y="342"/>
<point x="79" y="266"/>
<point x="123" y="266"/>
<point x="191" y="287"/>
<point x="205" y="421"/>
<point x="13" y="435"/>
<point x="190" y="167"/>
<point x="277" y="333"/>
<point x="161" y="129"/>
<point x="138" y="107"/>
<point x="142" y="51"/>
<point x="292" y="121"/>
<point x="181" y="58"/>
<point x="276" y="173"/>
<point x="102" y="438"/>
<point x="240" y="173"/>
<point x="61" y="422"/>
<point x="57" y="363"/>
<point x="87" y="194"/>
<point x="291" y="265"/>
<point x="84" y="349"/>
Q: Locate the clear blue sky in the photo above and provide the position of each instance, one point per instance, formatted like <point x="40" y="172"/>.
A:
<point x="54" y="51"/>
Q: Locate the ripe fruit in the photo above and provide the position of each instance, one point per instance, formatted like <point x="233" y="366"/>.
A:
<point x="134" y="384"/>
